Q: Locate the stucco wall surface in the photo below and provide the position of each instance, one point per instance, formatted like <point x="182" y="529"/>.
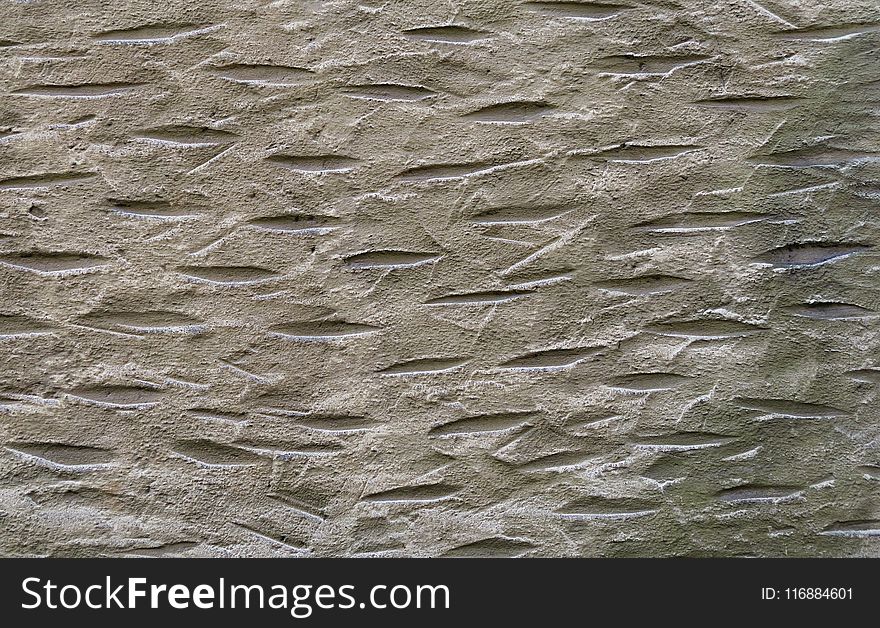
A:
<point x="477" y="278"/>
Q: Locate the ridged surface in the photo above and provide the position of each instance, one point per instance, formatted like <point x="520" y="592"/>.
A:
<point x="422" y="278"/>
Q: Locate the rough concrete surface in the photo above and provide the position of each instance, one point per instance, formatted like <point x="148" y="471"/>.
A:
<point x="477" y="278"/>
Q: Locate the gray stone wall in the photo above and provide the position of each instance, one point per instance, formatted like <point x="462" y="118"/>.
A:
<point x="487" y="278"/>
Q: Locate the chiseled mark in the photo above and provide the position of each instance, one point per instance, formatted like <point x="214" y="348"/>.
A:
<point x="186" y="136"/>
<point x="813" y="157"/>
<point x="607" y="508"/>
<point x="424" y="366"/>
<point x="690" y="222"/>
<point x="641" y="153"/>
<point x="806" y="189"/>
<point x="54" y="263"/>
<point x="648" y="382"/>
<point x="751" y="103"/>
<point x="12" y="402"/>
<point x="492" y="547"/>
<point x="861" y="529"/>
<point x="106" y="330"/>
<point x="149" y="322"/>
<point x="166" y="549"/>
<point x="626" y="65"/>
<point x="243" y="372"/>
<point x="756" y="493"/>
<point x="523" y="214"/>
<point x="869" y="190"/>
<point x="52" y="58"/>
<point x="207" y="453"/>
<point x="336" y="423"/>
<point x="576" y="10"/>
<point x="61" y="457"/>
<point x="489" y="297"/>
<point x="283" y="541"/>
<point x="558" y="462"/>
<point x="391" y="549"/>
<point x="315" y="163"/>
<point x="154" y="33"/>
<point x="808" y="254"/>
<point x="485" y="424"/>
<point x="15" y="400"/>
<point x="295" y="223"/>
<point x="217" y="154"/>
<point x="788" y="409"/>
<point x="448" y="34"/>
<point x="87" y="90"/>
<point x="825" y="310"/>
<point x="417" y="493"/>
<point x="276" y="410"/>
<point x="705" y="329"/>
<point x="590" y="421"/>
<point x="748" y="454"/>
<point x="720" y="192"/>
<point x="389" y="92"/>
<point x="390" y="259"/>
<point x="46" y="180"/>
<point x="287" y="451"/>
<point x="828" y="33"/>
<point x="531" y="281"/>
<point x="186" y="383"/>
<point x="768" y="13"/>
<point x="444" y="172"/>
<point x="551" y="359"/>
<point x="515" y="112"/>
<point x="869" y="471"/>
<point x="8" y="43"/>
<point x="322" y="330"/>
<point x="826" y="482"/>
<point x="14" y="326"/>
<point x="121" y="397"/>
<point x="868" y="376"/>
<point x="644" y="285"/>
<point x="218" y="416"/>
<point x="259" y="74"/>
<point x="294" y="502"/>
<point x="154" y="210"/>
<point x="683" y="441"/>
<point x="218" y="238"/>
<point x="228" y="275"/>
<point x="76" y="493"/>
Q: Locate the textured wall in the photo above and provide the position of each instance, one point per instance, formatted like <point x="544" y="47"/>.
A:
<point x="439" y="278"/>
